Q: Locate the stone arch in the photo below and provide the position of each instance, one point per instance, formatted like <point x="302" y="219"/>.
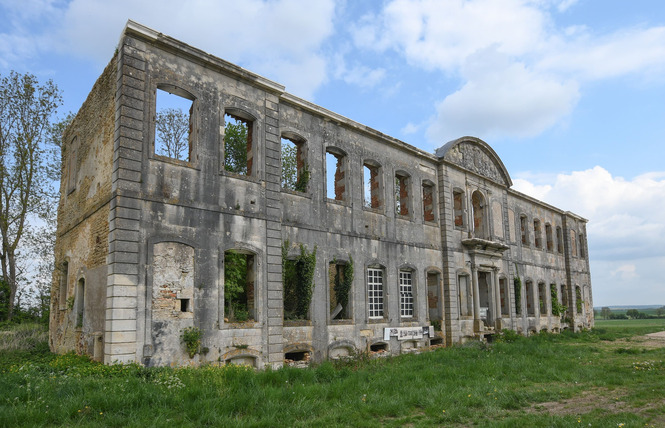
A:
<point x="475" y="155"/>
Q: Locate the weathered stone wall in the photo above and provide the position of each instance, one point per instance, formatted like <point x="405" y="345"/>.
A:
<point x="83" y="223"/>
<point x="170" y="223"/>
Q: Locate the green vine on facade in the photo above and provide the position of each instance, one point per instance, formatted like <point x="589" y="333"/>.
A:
<point x="303" y="180"/>
<point x="557" y="308"/>
<point x="192" y="338"/>
<point x="298" y="281"/>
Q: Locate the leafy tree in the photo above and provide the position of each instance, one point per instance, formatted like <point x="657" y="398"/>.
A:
<point x="172" y="129"/>
<point x="633" y="313"/>
<point x="26" y="108"/>
<point x="235" y="286"/>
<point x="235" y="145"/>
<point x="289" y="167"/>
<point x="605" y="312"/>
<point x="660" y="311"/>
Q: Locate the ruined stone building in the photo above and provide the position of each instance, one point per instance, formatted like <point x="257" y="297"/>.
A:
<point x="403" y="248"/>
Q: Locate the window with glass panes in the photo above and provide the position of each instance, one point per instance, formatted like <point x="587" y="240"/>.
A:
<point x="375" y="292"/>
<point x="405" y="293"/>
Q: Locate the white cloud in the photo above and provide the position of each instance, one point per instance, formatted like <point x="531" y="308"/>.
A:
<point x="274" y="38"/>
<point x="502" y="98"/>
<point x="625" y="216"/>
<point x="625" y="271"/>
<point x="520" y="73"/>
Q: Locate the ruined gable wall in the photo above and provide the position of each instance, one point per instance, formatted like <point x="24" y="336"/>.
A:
<point x="83" y="227"/>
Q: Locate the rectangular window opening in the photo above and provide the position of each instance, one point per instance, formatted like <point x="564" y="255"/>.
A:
<point x="340" y="277"/>
<point x="458" y="208"/>
<point x="402" y="207"/>
<point x="335" y="176"/>
<point x="184" y="305"/>
<point x="406" y="294"/>
<point x="428" y="202"/>
<point x="372" y="187"/>
<point x="173" y="126"/>
<point x="239" y="282"/>
<point x="295" y="174"/>
<point x="375" y="293"/>
<point x="238" y="157"/>
<point x="548" y="237"/>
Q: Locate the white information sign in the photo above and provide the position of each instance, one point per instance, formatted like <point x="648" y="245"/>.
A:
<point x="407" y="333"/>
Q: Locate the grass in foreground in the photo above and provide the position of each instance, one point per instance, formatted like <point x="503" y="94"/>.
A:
<point x="602" y="378"/>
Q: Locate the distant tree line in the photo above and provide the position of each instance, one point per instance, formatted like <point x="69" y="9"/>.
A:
<point x="606" y="313"/>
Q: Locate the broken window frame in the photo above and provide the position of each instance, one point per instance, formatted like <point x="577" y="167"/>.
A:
<point x="548" y="237"/>
<point x="375" y="280"/>
<point x="537" y="234"/>
<point x="340" y="177"/>
<point x="192" y="124"/>
<point x="336" y="273"/>
<point x="429" y="201"/>
<point x="302" y="178"/>
<point x="559" y="240"/>
<point x="524" y="230"/>
<point x="249" y="121"/>
<point x="373" y="186"/>
<point x="403" y="204"/>
<point x="407" y="293"/>
<point x="459" y="219"/>
<point x="249" y="294"/>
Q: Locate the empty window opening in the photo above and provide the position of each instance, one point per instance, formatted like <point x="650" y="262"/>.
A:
<point x="238" y="157"/>
<point x="573" y="243"/>
<point x="580" y="245"/>
<point x="402" y="194"/>
<point x="479" y="222"/>
<point x="372" y="194"/>
<point x="530" y="299"/>
<point x="340" y="280"/>
<point x="379" y="347"/>
<point x="298" y="282"/>
<point x="297" y="356"/>
<point x="517" y="292"/>
<point x="559" y="240"/>
<point x="458" y="207"/>
<point x="406" y="293"/>
<point x="465" y="295"/>
<point x="80" y="302"/>
<point x="295" y="173"/>
<point x="434" y="302"/>
<point x="375" y="292"/>
<point x="578" y="300"/>
<point x="504" y="292"/>
<point x="564" y="296"/>
<point x="239" y="282"/>
<point x="542" y="299"/>
<point x="524" y="230"/>
<point x="548" y="237"/>
<point x="185" y="305"/>
<point x="63" y="285"/>
<point x="537" y="234"/>
<point x="72" y="159"/>
<point x="336" y="176"/>
<point x="428" y="202"/>
<point x="173" y="125"/>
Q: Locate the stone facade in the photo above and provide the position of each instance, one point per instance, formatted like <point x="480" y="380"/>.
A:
<point x="437" y="249"/>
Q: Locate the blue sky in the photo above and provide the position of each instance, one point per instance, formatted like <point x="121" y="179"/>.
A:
<point x="570" y="93"/>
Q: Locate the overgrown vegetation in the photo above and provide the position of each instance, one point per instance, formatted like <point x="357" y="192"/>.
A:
<point x="601" y="378"/>
<point x="298" y="280"/>
<point x="237" y="286"/>
<point x="517" y="287"/>
<point x="236" y="140"/>
<point x="191" y="336"/>
<point x="342" y="287"/>
<point x="557" y="308"/>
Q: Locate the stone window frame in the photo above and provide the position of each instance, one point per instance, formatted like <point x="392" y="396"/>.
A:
<point x="573" y="243"/>
<point x="303" y="151"/>
<point x="341" y="260"/>
<point x="377" y="311"/>
<point x="559" y="240"/>
<point x="506" y="288"/>
<point x="259" y="285"/>
<point x="530" y="298"/>
<point x="433" y="270"/>
<point x="459" y="191"/>
<point x="342" y="158"/>
<point x="549" y="239"/>
<point x="79" y="301"/>
<point x="184" y="91"/>
<point x="580" y="245"/>
<point x="63" y="291"/>
<point x="427" y="183"/>
<point x="411" y="269"/>
<point x="468" y="313"/>
<point x="485" y="215"/>
<point x="524" y="229"/>
<point x="380" y="207"/>
<point x="242" y="114"/>
<point x="405" y="184"/>
<point x="537" y="233"/>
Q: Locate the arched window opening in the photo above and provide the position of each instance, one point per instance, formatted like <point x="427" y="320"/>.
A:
<point x="573" y="243"/>
<point x="530" y="299"/>
<point x="372" y="192"/>
<point x="458" y="208"/>
<point x="64" y="278"/>
<point x="336" y="168"/>
<point x="402" y="196"/>
<point x="548" y="237"/>
<point x="465" y="295"/>
<point x="80" y="302"/>
<point x="428" y="201"/>
<point x="537" y="234"/>
<point x="340" y="281"/>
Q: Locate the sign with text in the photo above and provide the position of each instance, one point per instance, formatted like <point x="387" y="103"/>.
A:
<point x="407" y="333"/>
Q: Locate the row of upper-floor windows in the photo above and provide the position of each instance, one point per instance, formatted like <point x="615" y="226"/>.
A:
<point x="577" y="241"/>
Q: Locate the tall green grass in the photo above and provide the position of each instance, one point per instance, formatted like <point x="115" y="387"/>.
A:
<point x="496" y="385"/>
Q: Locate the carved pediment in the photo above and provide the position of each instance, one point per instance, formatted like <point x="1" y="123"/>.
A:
<point x="476" y="156"/>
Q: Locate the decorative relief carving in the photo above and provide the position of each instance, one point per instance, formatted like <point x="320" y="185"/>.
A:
<point x="473" y="158"/>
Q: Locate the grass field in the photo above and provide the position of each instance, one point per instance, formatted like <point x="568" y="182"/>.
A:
<point x="609" y="377"/>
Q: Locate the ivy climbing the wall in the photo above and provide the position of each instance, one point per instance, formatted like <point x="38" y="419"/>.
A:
<point x="517" y="283"/>
<point x="298" y="281"/>
<point x="342" y="287"/>
<point x="557" y="308"/>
